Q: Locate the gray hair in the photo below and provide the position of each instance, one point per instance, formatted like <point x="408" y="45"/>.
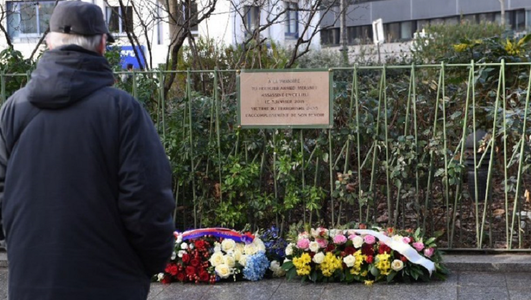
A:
<point x="58" y="39"/>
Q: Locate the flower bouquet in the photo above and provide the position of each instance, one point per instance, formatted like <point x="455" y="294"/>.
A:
<point x="363" y="255"/>
<point x="275" y="251"/>
<point x="213" y="254"/>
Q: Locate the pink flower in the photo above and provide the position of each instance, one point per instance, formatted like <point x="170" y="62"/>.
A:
<point x="406" y="240"/>
<point x="323" y="243"/>
<point x="428" y="252"/>
<point x="340" y="239"/>
<point x="303" y="244"/>
<point x="369" y="239"/>
<point x="418" y="245"/>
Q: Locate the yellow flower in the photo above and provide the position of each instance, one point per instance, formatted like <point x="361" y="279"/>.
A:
<point x="358" y="262"/>
<point x="383" y="263"/>
<point x="460" y="47"/>
<point x="512" y="48"/>
<point x="369" y="282"/>
<point x="302" y="264"/>
<point x="306" y="258"/>
<point x="330" y="264"/>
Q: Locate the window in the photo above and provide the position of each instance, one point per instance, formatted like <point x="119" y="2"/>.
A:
<point x="392" y="32"/>
<point x="519" y="20"/>
<point x="452" y="20"/>
<point x="292" y="20"/>
<point x="421" y="24"/>
<point x="251" y="18"/>
<point x="28" y="19"/>
<point x="406" y="30"/>
<point x="330" y="36"/>
<point x="358" y="35"/>
<point x="119" y="21"/>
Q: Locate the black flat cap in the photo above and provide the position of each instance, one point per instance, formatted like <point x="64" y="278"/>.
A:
<point x="78" y="17"/>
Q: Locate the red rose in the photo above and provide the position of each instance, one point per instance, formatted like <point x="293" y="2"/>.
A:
<point x="200" y="244"/>
<point x="367" y="249"/>
<point x="190" y="271"/>
<point x="181" y="277"/>
<point x="204" y="276"/>
<point x="331" y="247"/>
<point x="166" y="280"/>
<point x="403" y="258"/>
<point x="370" y="259"/>
<point x="186" y="258"/>
<point x="169" y="268"/>
<point x="384" y="248"/>
<point x="194" y="262"/>
<point x="172" y="270"/>
<point x="350" y="250"/>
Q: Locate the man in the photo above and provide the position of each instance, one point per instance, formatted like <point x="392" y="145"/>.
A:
<point x="85" y="183"/>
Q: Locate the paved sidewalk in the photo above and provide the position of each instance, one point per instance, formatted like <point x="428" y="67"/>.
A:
<point x="480" y="276"/>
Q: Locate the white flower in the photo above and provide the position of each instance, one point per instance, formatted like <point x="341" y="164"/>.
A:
<point x="228" y="245"/>
<point x="237" y="254"/>
<point x="349" y="260"/>
<point x="223" y="270"/>
<point x="184" y="246"/>
<point x="217" y="247"/>
<point x="333" y="232"/>
<point x="260" y="246"/>
<point x="397" y="265"/>
<point x="243" y="260"/>
<point x="250" y="249"/>
<point x="179" y="239"/>
<point x="318" y="258"/>
<point x="398" y="238"/>
<point x="160" y="276"/>
<point x="289" y="249"/>
<point x="216" y="259"/>
<point x="357" y="241"/>
<point x="276" y="269"/>
<point x="314" y="246"/>
<point x="304" y="235"/>
<point x="229" y="260"/>
<point x="173" y="255"/>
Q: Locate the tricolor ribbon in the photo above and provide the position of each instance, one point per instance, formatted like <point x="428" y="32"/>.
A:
<point x="220" y="232"/>
<point x="401" y="247"/>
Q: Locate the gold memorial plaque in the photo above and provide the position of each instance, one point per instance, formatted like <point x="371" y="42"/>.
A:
<point x="285" y="99"/>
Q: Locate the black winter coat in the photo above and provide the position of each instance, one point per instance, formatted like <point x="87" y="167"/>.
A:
<point x="85" y="185"/>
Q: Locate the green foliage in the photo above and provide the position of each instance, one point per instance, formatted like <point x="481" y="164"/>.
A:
<point x="15" y="69"/>
<point x="439" y="39"/>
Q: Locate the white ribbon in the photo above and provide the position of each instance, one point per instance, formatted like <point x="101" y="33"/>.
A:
<point x="401" y="247"/>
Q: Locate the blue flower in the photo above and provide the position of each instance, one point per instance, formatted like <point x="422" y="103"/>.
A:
<point x="256" y="266"/>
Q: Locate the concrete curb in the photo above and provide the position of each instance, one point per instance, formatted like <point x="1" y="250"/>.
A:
<point x="497" y="263"/>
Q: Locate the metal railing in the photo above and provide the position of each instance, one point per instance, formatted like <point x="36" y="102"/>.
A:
<point x="441" y="147"/>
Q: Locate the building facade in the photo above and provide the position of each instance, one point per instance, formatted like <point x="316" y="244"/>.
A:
<point x="403" y="18"/>
<point x="25" y="22"/>
<point x="233" y="22"/>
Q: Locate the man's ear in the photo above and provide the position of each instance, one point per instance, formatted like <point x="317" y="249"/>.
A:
<point x="103" y="44"/>
<point x="48" y="44"/>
